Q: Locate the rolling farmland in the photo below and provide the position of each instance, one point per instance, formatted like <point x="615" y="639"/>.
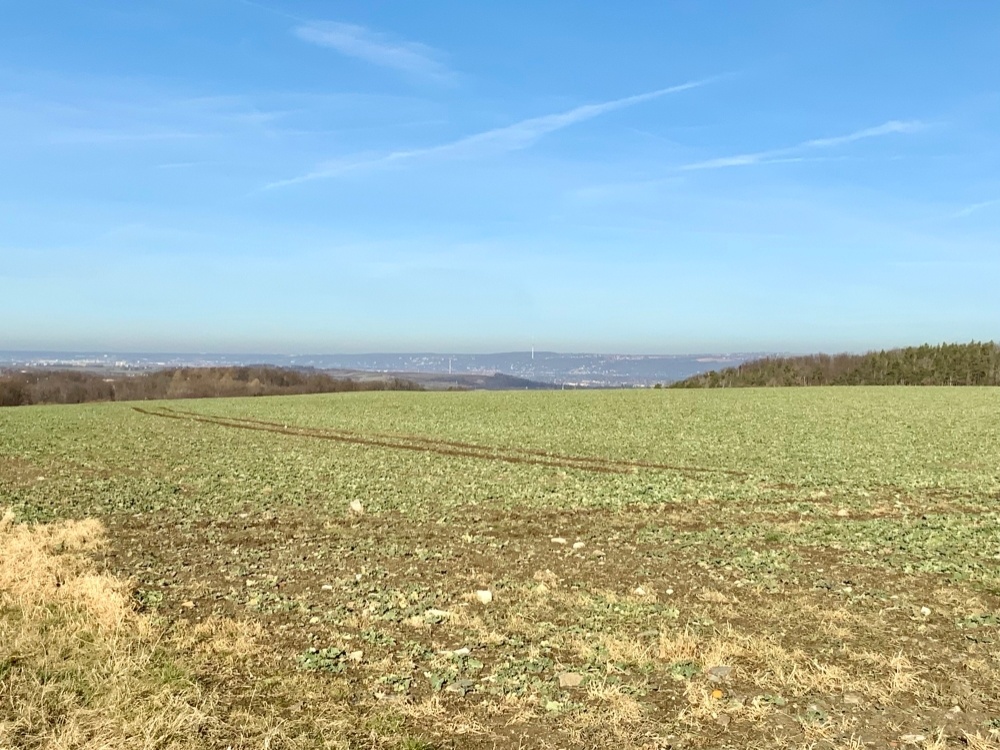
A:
<point x="654" y="569"/>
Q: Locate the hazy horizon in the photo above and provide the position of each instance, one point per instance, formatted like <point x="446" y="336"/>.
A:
<point x="102" y="351"/>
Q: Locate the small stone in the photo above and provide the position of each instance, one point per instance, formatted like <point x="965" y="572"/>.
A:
<point x="188" y="604"/>
<point x="669" y="592"/>
<point x="356" y="656"/>
<point x="955" y="710"/>
<point x="719" y="673"/>
<point x="436" y="615"/>
<point x="961" y="688"/>
<point x="925" y="611"/>
<point x="570" y="679"/>
<point x="485" y="596"/>
<point x="558" y="540"/>
<point x="313" y="620"/>
<point x="852" y="699"/>
<point x="547" y="577"/>
<point x="579" y="545"/>
<point x="326" y="587"/>
<point x="723" y="720"/>
<point x="639" y="591"/>
<point x="843" y="512"/>
<point x="912" y="739"/>
<point x="462" y="687"/>
<point x="357" y="508"/>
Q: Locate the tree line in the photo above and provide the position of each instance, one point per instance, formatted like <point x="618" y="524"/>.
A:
<point x="975" y="363"/>
<point x="21" y="388"/>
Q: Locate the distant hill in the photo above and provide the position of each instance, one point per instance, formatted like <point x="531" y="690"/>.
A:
<point x="946" y="364"/>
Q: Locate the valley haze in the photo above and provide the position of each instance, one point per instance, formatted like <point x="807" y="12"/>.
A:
<point x="577" y="370"/>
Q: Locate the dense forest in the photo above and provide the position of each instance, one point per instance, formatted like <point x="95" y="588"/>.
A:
<point x="946" y="364"/>
<point x="76" y="387"/>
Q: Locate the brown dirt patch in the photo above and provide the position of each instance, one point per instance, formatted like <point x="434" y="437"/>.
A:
<point x="823" y="650"/>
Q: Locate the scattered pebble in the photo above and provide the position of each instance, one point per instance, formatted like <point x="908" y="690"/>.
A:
<point x="852" y="699"/>
<point x="356" y="656"/>
<point x="326" y="587"/>
<point x="460" y="686"/>
<point x="579" y="545"/>
<point x="485" y="596"/>
<point x="570" y="679"/>
<point x="558" y="540"/>
<point x="912" y="739"/>
<point x="188" y="604"/>
<point x="719" y="673"/>
<point x="961" y="688"/>
<point x="639" y="591"/>
<point x="436" y="615"/>
<point x="357" y="508"/>
<point x="546" y="576"/>
<point x="925" y="611"/>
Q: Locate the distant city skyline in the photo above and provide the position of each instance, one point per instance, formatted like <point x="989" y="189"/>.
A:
<point x="576" y="369"/>
<point x="660" y="178"/>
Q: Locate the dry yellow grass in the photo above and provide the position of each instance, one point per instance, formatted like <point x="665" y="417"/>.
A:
<point x="80" y="668"/>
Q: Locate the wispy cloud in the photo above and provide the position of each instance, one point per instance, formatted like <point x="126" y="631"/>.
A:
<point x="413" y="58"/>
<point x="789" y="153"/>
<point x="971" y="209"/>
<point x="508" y="138"/>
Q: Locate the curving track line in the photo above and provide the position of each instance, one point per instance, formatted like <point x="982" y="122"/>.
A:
<point x="437" y="446"/>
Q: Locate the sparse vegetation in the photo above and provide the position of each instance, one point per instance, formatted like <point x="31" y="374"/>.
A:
<point x="645" y="569"/>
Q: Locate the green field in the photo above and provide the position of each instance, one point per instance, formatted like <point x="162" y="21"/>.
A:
<point x="745" y="568"/>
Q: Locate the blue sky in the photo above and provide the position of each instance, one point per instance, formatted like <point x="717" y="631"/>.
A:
<point x="661" y="177"/>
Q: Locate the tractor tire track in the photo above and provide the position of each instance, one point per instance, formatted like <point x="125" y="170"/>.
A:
<point x="440" y="446"/>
